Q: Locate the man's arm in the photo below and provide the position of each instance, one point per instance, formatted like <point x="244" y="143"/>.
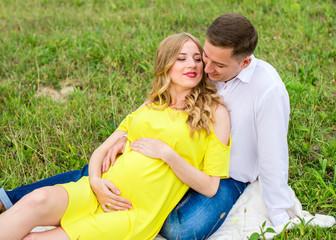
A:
<point x="272" y="127"/>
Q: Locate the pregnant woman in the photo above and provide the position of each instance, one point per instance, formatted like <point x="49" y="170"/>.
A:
<point x="179" y="138"/>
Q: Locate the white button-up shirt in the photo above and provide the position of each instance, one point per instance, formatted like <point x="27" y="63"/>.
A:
<point x="259" y="109"/>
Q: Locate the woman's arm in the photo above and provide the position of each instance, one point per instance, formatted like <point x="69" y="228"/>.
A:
<point x="106" y="192"/>
<point x="116" y="149"/>
<point x="95" y="164"/>
<point x="102" y="158"/>
<point x="193" y="177"/>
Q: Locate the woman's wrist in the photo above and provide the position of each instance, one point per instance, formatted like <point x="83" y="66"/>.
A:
<point x="125" y="135"/>
<point x="169" y="156"/>
<point x="93" y="179"/>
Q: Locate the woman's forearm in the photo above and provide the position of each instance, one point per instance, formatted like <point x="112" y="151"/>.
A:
<point x="193" y="177"/>
<point x="95" y="164"/>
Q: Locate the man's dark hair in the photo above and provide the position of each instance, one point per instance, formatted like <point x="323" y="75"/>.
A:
<point x="232" y="30"/>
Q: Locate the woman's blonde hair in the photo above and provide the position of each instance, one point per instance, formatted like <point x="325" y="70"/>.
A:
<point x="201" y="103"/>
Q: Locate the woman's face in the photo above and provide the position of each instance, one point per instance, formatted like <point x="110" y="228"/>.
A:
<point x="187" y="71"/>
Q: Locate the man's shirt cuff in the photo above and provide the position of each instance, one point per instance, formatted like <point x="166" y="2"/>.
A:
<point x="278" y="218"/>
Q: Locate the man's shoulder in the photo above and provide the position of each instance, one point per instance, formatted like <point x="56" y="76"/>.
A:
<point x="265" y="75"/>
<point x="263" y="67"/>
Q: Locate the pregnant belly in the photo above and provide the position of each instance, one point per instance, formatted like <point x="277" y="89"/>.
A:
<point x="140" y="178"/>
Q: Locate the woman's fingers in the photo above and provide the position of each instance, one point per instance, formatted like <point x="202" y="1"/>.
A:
<point x="112" y="200"/>
<point x="151" y="147"/>
<point x="107" y="209"/>
<point x="118" y="203"/>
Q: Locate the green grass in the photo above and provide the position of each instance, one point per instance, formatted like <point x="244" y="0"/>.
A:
<point x="105" y="51"/>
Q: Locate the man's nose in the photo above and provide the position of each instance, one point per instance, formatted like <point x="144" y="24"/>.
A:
<point x="208" y="67"/>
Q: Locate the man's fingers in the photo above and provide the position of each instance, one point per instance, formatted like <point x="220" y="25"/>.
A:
<point x="104" y="165"/>
<point x="108" y="160"/>
<point x="112" y="159"/>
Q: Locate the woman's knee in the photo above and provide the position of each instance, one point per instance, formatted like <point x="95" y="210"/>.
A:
<point x="39" y="201"/>
<point x="38" y="197"/>
<point x="30" y="236"/>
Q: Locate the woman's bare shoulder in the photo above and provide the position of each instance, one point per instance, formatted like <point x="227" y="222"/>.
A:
<point x="222" y="124"/>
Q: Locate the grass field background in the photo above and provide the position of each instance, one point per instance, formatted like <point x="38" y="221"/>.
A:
<point x="70" y="70"/>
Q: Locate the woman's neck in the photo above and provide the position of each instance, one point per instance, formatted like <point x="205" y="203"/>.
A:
<point x="178" y="101"/>
<point x="177" y="105"/>
<point x="178" y="97"/>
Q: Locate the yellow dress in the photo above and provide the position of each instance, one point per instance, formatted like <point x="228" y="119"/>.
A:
<point x="148" y="183"/>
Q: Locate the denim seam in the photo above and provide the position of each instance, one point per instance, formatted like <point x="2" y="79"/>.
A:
<point x="240" y="191"/>
<point x="5" y="199"/>
<point x="184" y="202"/>
<point x="212" y="230"/>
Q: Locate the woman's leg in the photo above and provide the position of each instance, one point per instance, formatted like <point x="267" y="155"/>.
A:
<point x="2" y="207"/>
<point x="54" y="234"/>
<point x="9" y="198"/>
<point x="197" y="217"/>
<point x="42" y="207"/>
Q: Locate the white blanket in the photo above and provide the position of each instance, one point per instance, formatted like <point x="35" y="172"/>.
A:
<point x="250" y="212"/>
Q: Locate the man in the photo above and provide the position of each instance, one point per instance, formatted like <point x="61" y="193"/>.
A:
<point x="259" y="109"/>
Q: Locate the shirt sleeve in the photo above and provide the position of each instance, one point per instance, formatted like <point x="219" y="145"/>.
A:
<point x="272" y="127"/>
<point x="217" y="157"/>
<point x="124" y="125"/>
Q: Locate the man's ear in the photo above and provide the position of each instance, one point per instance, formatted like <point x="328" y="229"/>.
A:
<point x="246" y="61"/>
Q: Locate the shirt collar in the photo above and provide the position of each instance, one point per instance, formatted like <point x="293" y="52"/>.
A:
<point x="246" y="74"/>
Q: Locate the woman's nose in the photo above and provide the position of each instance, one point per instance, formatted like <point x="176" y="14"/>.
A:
<point x="192" y="62"/>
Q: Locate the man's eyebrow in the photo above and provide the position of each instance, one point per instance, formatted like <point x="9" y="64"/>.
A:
<point x="186" y="53"/>
<point x="214" y="61"/>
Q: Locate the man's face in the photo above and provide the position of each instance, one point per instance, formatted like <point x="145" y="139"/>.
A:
<point x="219" y="65"/>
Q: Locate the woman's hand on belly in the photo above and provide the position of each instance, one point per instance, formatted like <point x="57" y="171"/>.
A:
<point x="152" y="148"/>
<point x="107" y="195"/>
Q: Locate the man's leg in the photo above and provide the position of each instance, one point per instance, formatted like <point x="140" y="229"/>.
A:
<point x="197" y="217"/>
<point x="8" y="198"/>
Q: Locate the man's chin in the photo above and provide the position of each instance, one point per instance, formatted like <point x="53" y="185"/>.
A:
<point x="217" y="78"/>
<point x="214" y="79"/>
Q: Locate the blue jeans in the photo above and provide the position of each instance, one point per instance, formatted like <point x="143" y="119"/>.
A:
<point x="9" y="198"/>
<point x="195" y="216"/>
